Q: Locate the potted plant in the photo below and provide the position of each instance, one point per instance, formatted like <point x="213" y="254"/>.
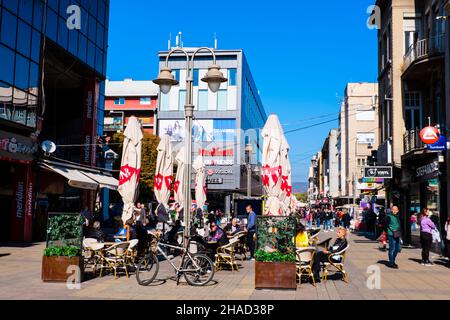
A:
<point x="62" y="255"/>
<point x="275" y="255"/>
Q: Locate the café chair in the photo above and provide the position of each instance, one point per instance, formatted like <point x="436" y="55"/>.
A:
<point x="337" y="262"/>
<point x="226" y="255"/>
<point x="304" y="263"/>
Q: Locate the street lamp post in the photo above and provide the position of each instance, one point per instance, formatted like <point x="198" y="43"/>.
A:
<point x="248" y="151"/>
<point x="165" y="80"/>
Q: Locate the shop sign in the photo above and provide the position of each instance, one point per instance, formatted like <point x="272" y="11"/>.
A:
<point x="219" y="172"/>
<point x="378" y="172"/>
<point x="216" y="152"/>
<point x="440" y="145"/>
<point x="221" y="162"/>
<point x="427" y="170"/>
<point x="429" y="135"/>
<point x="12" y="145"/>
<point x="214" y="181"/>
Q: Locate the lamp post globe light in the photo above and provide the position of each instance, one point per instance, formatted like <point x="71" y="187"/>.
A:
<point x="214" y="78"/>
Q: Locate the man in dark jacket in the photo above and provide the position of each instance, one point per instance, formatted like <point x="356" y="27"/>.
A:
<point x="324" y="256"/>
<point x="345" y="219"/>
<point x="393" y="229"/>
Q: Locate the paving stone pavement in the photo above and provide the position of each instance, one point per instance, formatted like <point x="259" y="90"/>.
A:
<point x="20" y="271"/>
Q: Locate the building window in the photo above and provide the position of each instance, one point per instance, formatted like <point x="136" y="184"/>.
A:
<point x="202" y="100"/>
<point x="195" y="77"/>
<point x="145" y="100"/>
<point x="181" y="100"/>
<point x="222" y="100"/>
<point x="366" y="137"/>
<point x="232" y="75"/>
<point x="413" y="119"/>
<point x="365" y="114"/>
<point x="164" y="102"/>
<point x="176" y="74"/>
<point x="119" y="101"/>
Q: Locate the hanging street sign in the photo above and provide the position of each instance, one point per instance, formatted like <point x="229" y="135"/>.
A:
<point x="440" y="145"/>
<point x="429" y="135"/>
<point x="378" y="172"/>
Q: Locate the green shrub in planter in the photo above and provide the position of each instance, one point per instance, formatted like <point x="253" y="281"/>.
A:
<point x="67" y="251"/>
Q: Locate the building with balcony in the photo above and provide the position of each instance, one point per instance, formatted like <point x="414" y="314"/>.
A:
<point x="51" y="88"/>
<point x="224" y="122"/>
<point x="357" y="136"/>
<point x="127" y="98"/>
<point x="414" y="93"/>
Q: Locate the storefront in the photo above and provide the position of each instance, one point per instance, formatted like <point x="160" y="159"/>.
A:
<point x="425" y="190"/>
<point x="17" y="186"/>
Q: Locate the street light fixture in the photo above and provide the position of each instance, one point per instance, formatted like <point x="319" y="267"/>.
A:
<point x="166" y="80"/>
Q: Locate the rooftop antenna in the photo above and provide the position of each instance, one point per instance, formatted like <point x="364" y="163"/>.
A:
<point x="177" y="40"/>
<point x="215" y="41"/>
<point x="168" y="42"/>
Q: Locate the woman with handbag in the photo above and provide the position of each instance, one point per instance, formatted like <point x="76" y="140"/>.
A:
<point x="426" y="236"/>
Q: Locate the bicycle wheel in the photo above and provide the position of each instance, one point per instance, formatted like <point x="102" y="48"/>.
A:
<point x="147" y="269"/>
<point x="201" y="275"/>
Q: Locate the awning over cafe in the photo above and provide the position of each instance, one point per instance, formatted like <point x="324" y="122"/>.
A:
<point x="82" y="178"/>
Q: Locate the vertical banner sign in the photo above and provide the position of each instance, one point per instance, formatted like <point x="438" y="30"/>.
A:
<point x="22" y="208"/>
<point x="89" y="132"/>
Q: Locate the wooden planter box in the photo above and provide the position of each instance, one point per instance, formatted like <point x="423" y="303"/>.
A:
<point x="54" y="269"/>
<point x="275" y="275"/>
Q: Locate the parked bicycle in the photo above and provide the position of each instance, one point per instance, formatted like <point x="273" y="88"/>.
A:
<point x="197" y="269"/>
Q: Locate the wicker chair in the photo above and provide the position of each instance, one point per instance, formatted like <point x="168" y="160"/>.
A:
<point x="336" y="261"/>
<point x="225" y="255"/>
<point x="114" y="258"/>
<point x="304" y="263"/>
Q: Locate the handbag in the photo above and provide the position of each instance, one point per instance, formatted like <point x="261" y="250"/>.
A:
<point x="436" y="236"/>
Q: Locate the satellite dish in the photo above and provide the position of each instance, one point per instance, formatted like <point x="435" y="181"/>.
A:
<point x="48" y="147"/>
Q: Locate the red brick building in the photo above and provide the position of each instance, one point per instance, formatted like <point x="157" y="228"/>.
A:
<point x="126" y="98"/>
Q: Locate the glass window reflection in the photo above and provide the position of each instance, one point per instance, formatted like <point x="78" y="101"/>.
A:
<point x="7" y="69"/>
<point x="63" y="33"/>
<point x="20" y="102"/>
<point x="26" y="10"/>
<point x="6" y="97"/>
<point x="21" y="72"/>
<point x="23" y="38"/>
<point x="8" y="29"/>
<point x="38" y="13"/>
<point x="35" y="46"/>
<point x="52" y="24"/>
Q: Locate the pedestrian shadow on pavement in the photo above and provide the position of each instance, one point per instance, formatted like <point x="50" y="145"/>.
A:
<point x="4" y="254"/>
<point x="383" y="262"/>
<point x="442" y="262"/>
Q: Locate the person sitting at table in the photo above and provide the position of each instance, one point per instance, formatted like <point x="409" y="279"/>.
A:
<point x="143" y="237"/>
<point x="95" y="232"/>
<point x="217" y="234"/>
<point x="127" y="232"/>
<point x="233" y="227"/>
<point x="301" y="238"/>
<point x="323" y="256"/>
<point x="171" y="236"/>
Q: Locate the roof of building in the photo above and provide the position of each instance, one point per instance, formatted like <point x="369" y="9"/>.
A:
<point x="130" y="88"/>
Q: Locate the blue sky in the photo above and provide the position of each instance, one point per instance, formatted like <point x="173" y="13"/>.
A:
<point x="301" y="53"/>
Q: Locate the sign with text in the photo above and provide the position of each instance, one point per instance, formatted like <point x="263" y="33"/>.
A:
<point x="440" y="145"/>
<point x="378" y="172"/>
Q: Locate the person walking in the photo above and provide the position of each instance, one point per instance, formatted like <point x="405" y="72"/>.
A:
<point x="426" y="236"/>
<point x="447" y="239"/>
<point x="345" y="219"/>
<point x="393" y="231"/>
<point x="309" y="218"/>
<point x="327" y="220"/>
<point x="251" y="230"/>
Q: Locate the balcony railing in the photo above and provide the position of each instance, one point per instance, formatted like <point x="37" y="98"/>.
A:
<point x="412" y="141"/>
<point x="424" y="48"/>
